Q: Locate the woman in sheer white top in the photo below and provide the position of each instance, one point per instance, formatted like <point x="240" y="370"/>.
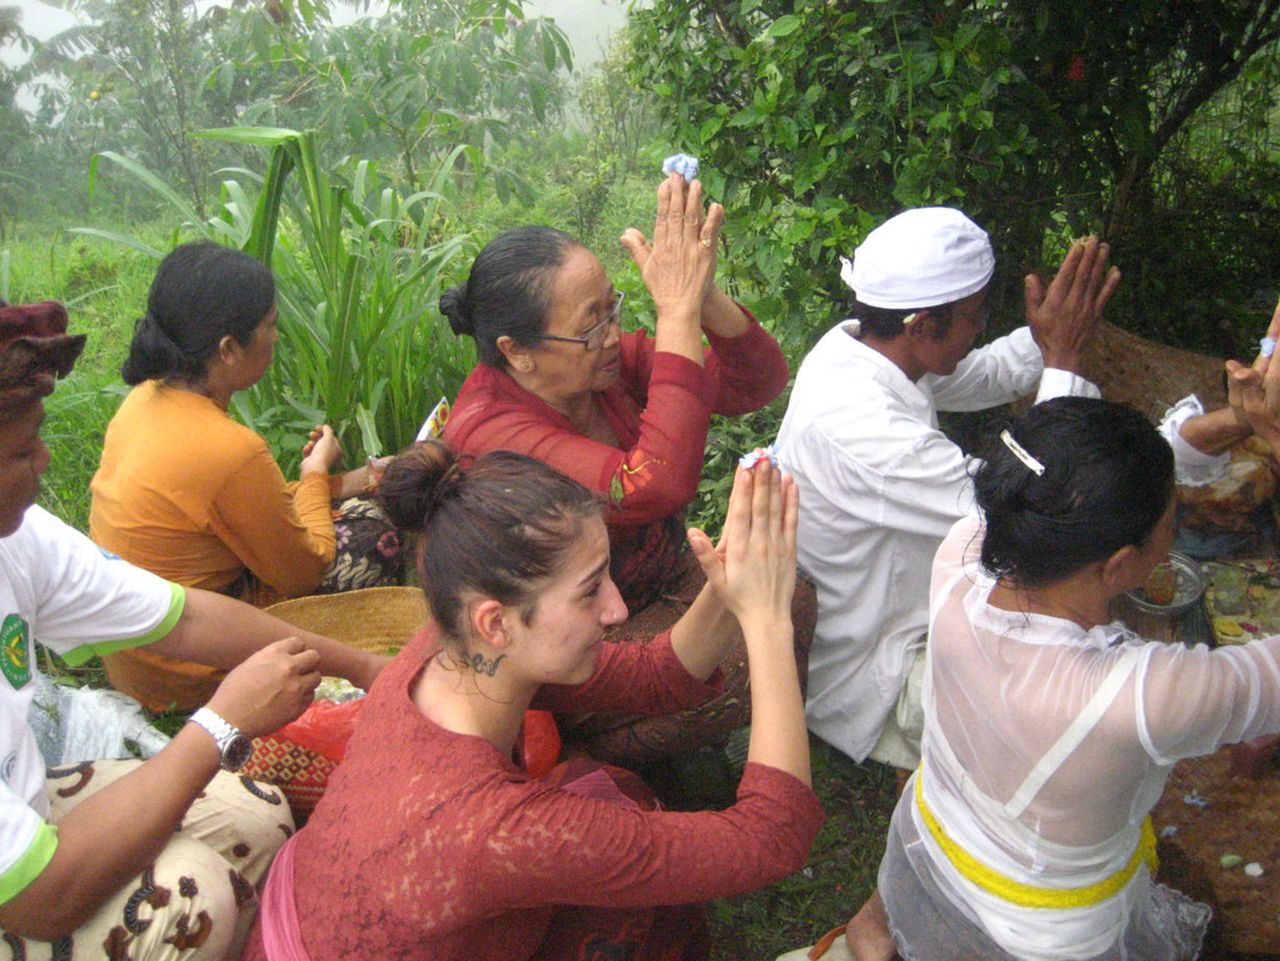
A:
<point x="1050" y="732"/>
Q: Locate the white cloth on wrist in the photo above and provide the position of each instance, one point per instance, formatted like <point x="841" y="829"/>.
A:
<point x="1192" y="467"/>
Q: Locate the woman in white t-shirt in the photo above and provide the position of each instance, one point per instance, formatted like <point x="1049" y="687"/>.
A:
<point x="1049" y="731"/>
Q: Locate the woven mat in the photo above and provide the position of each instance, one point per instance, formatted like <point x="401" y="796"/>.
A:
<point x="1243" y="817"/>
<point x="1150" y="376"/>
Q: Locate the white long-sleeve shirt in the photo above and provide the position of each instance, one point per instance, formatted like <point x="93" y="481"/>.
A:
<point x="880" y="486"/>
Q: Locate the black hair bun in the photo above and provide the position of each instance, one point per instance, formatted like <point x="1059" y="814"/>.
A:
<point x="410" y="488"/>
<point x="453" y="304"/>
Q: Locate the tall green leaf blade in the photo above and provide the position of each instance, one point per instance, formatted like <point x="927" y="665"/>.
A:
<point x="152" y="183"/>
<point x="119" y="238"/>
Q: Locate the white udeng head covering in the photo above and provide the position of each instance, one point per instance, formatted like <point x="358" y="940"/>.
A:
<point x="920" y="258"/>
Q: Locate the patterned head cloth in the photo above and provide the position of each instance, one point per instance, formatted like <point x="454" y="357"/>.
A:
<point x="35" y="350"/>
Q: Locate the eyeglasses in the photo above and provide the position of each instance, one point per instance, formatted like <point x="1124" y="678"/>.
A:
<point x="593" y="339"/>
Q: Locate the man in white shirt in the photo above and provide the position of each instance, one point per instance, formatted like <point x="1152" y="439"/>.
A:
<point x="880" y="484"/>
<point x="152" y="860"/>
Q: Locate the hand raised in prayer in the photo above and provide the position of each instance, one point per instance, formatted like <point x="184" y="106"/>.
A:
<point x="1254" y="390"/>
<point x="679" y="267"/>
<point x="753" y="569"/>
<point x="1064" y="317"/>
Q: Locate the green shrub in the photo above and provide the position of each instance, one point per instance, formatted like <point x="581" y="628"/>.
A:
<point x="816" y="120"/>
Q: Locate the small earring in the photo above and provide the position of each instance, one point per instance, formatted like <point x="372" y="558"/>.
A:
<point x="525" y="367"/>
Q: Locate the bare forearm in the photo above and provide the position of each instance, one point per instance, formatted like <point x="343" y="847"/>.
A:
<point x="1214" y="432"/>
<point x="108" y="838"/>
<point x="350" y="484"/>
<point x="222" y="632"/>
<point x="702" y="637"/>
<point x="722" y="317"/>
<point x="779" y="736"/>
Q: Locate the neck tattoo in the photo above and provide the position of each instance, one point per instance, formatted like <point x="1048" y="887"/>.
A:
<point x="481" y="665"/>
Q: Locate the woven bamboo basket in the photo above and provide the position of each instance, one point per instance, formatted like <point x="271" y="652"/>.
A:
<point x="374" y="619"/>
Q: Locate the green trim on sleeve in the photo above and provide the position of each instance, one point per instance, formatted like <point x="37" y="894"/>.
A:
<point x="33" y="861"/>
<point x="177" y="603"/>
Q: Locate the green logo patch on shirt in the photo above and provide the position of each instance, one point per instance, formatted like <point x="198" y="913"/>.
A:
<point x="15" y="660"/>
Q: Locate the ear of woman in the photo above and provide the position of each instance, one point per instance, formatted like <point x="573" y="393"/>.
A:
<point x="488" y="622"/>
<point x="517" y="356"/>
<point x="1125" y="570"/>
<point x="229" y="349"/>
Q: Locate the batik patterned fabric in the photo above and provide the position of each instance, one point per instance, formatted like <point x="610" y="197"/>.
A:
<point x="198" y="899"/>
<point x="369" y="549"/>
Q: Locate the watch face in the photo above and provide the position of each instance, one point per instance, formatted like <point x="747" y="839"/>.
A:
<point x="237" y="753"/>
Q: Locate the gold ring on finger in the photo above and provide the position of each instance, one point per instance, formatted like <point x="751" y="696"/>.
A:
<point x="706" y="242"/>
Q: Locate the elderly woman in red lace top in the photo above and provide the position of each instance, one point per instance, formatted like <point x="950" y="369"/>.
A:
<point x="623" y="413"/>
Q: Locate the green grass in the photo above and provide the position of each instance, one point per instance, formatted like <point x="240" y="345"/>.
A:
<point x="840" y="874"/>
<point x="104" y="288"/>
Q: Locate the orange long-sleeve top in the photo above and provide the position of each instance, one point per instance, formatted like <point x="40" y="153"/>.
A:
<point x="186" y="492"/>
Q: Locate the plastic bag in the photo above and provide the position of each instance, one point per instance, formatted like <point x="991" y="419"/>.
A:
<point x="540" y="746"/>
<point x="324" y="728"/>
<point x="74" y="724"/>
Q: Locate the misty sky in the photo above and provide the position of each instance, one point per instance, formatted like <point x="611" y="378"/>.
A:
<point x="587" y="22"/>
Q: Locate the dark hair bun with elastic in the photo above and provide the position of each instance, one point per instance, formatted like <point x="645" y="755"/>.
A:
<point x="1106" y="482"/>
<point x="410" y="488"/>
<point x="453" y="304"/>
<point x="153" y="354"/>
<point x="508" y="291"/>
<point x="497" y="529"/>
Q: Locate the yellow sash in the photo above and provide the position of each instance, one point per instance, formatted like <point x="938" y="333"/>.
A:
<point x="1029" y="895"/>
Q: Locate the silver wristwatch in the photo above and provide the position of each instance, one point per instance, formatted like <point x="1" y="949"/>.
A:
<point x="235" y="748"/>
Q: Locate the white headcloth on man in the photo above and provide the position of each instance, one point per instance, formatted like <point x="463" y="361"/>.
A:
<point x="921" y="258"/>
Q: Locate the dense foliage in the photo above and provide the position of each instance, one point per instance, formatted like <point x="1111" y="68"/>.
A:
<point x="1148" y="121"/>
<point x="140" y="77"/>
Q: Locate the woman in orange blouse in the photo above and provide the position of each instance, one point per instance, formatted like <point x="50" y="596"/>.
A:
<point x="190" y="494"/>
